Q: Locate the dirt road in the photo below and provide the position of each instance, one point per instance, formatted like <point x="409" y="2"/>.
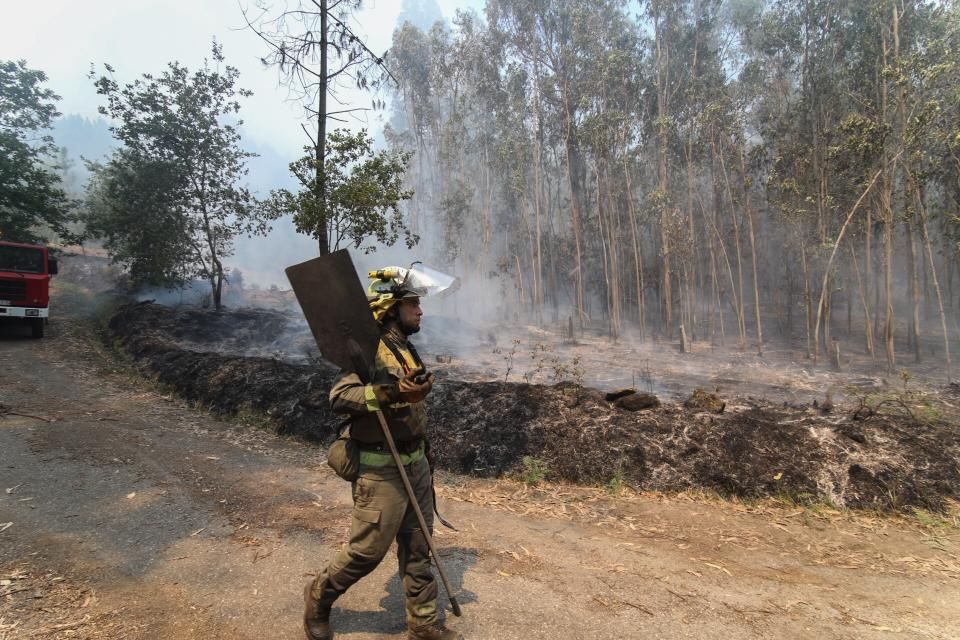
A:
<point x="124" y="514"/>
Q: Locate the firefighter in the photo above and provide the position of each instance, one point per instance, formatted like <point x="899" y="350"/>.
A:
<point x="381" y="509"/>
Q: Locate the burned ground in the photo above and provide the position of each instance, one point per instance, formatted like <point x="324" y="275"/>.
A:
<point x="891" y="451"/>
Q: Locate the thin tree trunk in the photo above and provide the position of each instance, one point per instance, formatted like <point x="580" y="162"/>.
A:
<point x="748" y="209"/>
<point x="716" y="289"/>
<point x="886" y="197"/>
<point x="637" y="254"/>
<point x="741" y="320"/>
<point x="323" y="239"/>
<point x="829" y="265"/>
<point x="538" y="294"/>
<point x="808" y="297"/>
<point x="663" y="114"/>
<point x="863" y="297"/>
<point x="912" y="253"/>
<point x="737" y="306"/>
<point x="868" y="277"/>
<point x="520" y="281"/>
<point x="914" y="277"/>
<point x="606" y="258"/>
<point x="827" y="316"/>
<point x="922" y="210"/>
<point x="575" y="215"/>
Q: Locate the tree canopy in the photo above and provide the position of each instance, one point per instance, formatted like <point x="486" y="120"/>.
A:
<point x="362" y="198"/>
<point x="31" y="196"/>
<point x="178" y="173"/>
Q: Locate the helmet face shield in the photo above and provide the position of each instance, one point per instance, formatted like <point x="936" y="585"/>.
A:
<point x="392" y="284"/>
<point x="429" y="282"/>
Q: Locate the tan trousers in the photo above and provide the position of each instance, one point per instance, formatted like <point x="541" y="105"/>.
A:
<point x="381" y="514"/>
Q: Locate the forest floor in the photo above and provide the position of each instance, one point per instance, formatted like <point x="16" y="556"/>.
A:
<point x="125" y="513"/>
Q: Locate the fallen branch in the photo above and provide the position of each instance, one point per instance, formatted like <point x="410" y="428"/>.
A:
<point x="64" y="627"/>
<point x="637" y="606"/>
<point x="6" y="411"/>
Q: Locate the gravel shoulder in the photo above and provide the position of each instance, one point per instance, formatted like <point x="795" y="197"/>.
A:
<point x="132" y="515"/>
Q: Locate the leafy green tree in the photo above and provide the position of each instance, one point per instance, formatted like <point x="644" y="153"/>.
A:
<point x="185" y="124"/>
<point x="31" y="195"/>
<point x="362" y="195"/>
<point x="132" y="205"/>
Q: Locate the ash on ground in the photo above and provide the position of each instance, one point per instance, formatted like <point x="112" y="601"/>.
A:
<point x="888" y="450"/>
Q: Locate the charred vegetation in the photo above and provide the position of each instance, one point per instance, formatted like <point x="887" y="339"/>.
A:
<point x="866" y="455"/>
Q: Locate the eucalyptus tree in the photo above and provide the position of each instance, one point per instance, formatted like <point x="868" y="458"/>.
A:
<point x="542" y="33"/>
<point x="696" y="165"/>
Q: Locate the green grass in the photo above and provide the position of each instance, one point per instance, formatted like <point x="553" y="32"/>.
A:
<point x="617" y="483"/>
<point x="535" y="470"/>
<point x="933" y="520"/>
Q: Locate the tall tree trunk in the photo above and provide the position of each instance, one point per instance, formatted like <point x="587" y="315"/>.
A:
<point x="735" y="303"/>
<point x="320" y="149"/>
<point x="574" y="185"/>
<point x="833" y="254"/>
<point x="912" y="251"/>
<point x="637" y="253"/>
<point x="808" y="297"/>
<point x="748" y="209"/>
<point x="863" y="297"/>
<point x="690" y="271"/>
<point x="605" y="254"/>
<point x="868" y="277"/>
<point x="663" y="116"/>
<point x="914" y="277"/>
<point x="716" y="293"/>
<point x="886" y="200"/>
<point x="922" y="210"/>
<point x="538" y="213"/>
<point x="741" y="319"/>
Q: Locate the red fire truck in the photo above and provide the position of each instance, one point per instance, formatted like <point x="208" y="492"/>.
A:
<point x="25" y="271"/>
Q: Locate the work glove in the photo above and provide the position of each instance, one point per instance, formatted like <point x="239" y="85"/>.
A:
<point x="405" y="390"/>
<point x="409" y="390"/>
<point x="386" y="393"/>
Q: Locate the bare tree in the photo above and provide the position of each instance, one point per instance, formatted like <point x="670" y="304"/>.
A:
<point x="318" y="56"/>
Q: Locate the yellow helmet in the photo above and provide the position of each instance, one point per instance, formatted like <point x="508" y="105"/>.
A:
<point x="388" y="286"/>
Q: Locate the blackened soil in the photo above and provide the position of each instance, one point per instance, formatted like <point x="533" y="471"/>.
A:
<point x="902" y="455"/>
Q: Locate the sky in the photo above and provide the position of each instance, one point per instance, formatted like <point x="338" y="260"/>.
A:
<point x="64" y="37"/>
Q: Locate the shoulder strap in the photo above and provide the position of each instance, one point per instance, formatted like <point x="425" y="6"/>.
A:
<point x="416" y="357"/>
<point x="395" y="350"/>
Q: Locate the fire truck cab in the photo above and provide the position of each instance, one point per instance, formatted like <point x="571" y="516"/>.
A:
<point x="25" y="271"/>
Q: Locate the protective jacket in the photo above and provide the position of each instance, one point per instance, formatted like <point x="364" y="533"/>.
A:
<point x="395" y="358"/>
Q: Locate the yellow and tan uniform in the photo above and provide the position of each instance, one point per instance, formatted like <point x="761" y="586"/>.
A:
<point x="381" y="508"/>
<point x="408" y="422"/>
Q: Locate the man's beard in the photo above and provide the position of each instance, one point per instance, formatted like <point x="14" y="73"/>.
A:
<point x="408" y="329"/>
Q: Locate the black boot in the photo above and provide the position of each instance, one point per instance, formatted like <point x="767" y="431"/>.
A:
<point x="435" y="631"/>
<point x="316" y="616"/>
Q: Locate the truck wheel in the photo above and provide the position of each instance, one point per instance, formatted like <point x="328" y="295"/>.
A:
<point x="36" y="327"/>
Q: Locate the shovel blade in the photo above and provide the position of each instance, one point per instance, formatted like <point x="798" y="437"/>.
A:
<point x="335" y="306"/>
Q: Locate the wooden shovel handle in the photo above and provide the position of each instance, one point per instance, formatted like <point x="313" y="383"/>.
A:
<point x="388" y="437"/>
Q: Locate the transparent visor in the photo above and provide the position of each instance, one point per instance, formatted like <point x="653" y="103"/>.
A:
<point x="424" y="281"/>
